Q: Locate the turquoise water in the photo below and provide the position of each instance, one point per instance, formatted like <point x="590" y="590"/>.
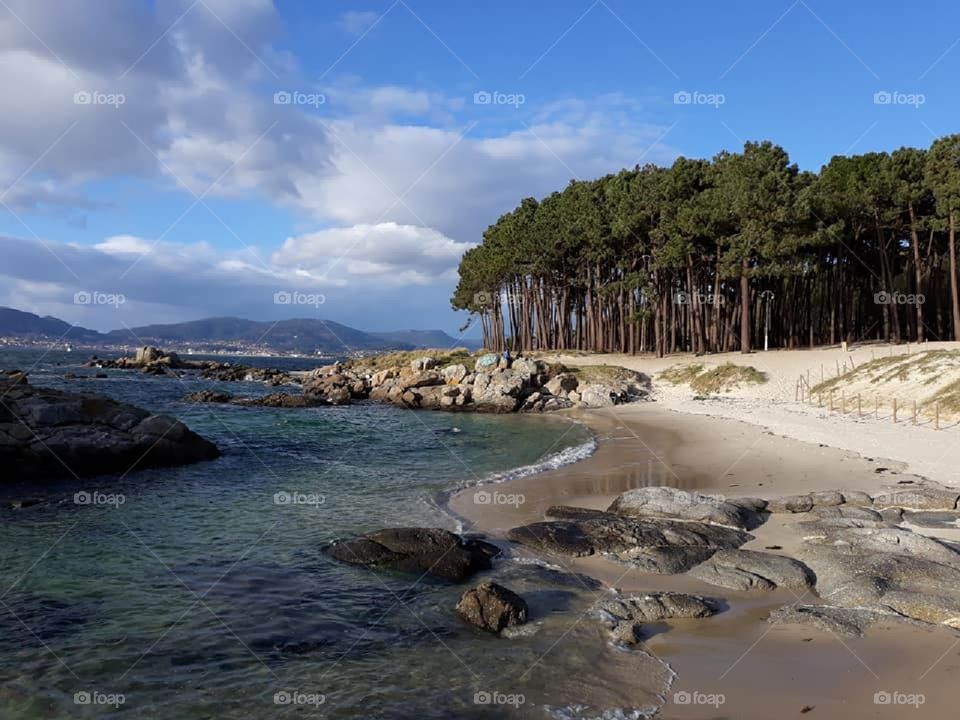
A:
<point x="196" y="592"/>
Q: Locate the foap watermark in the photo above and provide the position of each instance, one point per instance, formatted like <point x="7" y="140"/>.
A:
<point x="898" y="298"/>
<point x="298" y="498"/>
<point x="293" y="297"/>
<point x="685" y="97"/>
<point x="493" y="697"/>
<point x="886" y="97"/>
<point x="95" y="697"/>
<point x="702" y="298"/>
<point x="698" y="698"/>
<point x="95" y="297"/>
<point x="899" y="698"/>
<point x="95" y="97"/>
<point x="486" y="298"/>
<point x="499" y="98"/>
<point x="295" y="697"/>
<point x="484" y="497"/>
<point x="98" y="498"/>
<point x="295" y="97"/>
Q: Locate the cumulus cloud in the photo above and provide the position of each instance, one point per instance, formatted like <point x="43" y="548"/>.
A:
<point x="357" y="22"/>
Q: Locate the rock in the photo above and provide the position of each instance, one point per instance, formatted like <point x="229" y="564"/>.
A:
<point x="846" y="622"/>
<point x="573" y="396"/>
<point x="43" y="432"/>
<point x="595" y="395"/>
<point x="208" y="396"/>
<point x="790" y="504"/>
<point x="284" y="400"/>
<point x="454" y="374"/>
<point x="946" y="519"/>
<point x="651" y="544"/>
<point x="487" y="362"/>
<point x="147" y="355"/>
<point x="492" y="607"/>
<point x="928" y="496"/>
<point x="624" y="615"/>
<point x="856" y="497"/>
<point x="750" y="570"/>
<point x="562" y="384"/>
<point x="422" y="364"/>
<point x="827" y="498"/>
<point x="437" y="552"/>
<point x="668" y="502"/>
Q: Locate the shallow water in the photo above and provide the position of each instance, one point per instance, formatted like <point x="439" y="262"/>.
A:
<point x="201" y="591"/>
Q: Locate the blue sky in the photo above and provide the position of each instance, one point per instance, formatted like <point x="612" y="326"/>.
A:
<point x="199" y="194"/>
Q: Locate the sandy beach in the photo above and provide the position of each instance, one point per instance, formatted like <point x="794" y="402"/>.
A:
<point x="761" y="671"/>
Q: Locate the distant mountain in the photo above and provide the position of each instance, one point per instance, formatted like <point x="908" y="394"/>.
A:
<point x="427" y="339"/>
<point x="16" y="323"/>
<point x="306" y="336"/>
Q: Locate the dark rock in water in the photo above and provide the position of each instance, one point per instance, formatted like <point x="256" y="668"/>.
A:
<point x="625" y="615"/>
<point x="44" y="432"/>
<point x="437" y="552"/>
<point x="751" y="570"/>
<point x="652" y="544"/>
<point x="492" y="607"/>
<point x="283" y="400"/>
<point x="208" y="396"/>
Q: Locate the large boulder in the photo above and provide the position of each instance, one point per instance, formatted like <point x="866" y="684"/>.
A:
<point x="654" y="545"/>
<point x="492" y="607"/>
<point x="422" y="364"/>
<point x="434" y="551"/>
<point x="668" y="502"/>
<point x="454" y="374"/>
<point x="562" y="384"/>
<point x="48" y="433"/>
<point x="928" y="496"/>
<point x="752" y="570"/>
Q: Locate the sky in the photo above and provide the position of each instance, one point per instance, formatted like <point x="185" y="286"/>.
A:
<point x="178" y="159"/>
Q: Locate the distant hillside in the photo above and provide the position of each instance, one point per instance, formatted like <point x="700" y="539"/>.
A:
<point x="23" y="324"/>
<point x="306" y="336"/>
<point x="427" y="339"/>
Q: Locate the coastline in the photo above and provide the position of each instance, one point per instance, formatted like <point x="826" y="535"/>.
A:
<point x="754" y="665"/>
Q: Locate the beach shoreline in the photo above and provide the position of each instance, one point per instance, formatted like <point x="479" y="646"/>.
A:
<point x="755" y="666"/>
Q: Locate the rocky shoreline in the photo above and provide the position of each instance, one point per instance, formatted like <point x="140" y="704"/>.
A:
<point x="457" y="382"/>
<point x="46" y="434"/>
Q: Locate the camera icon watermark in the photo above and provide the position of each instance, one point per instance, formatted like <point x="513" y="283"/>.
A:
<point x="96" y="497"/>
<point x="298" y="498"/>
<point x="685" y="97"/>
<point x="95" y="297"/>
<point x="95" y="697"/>
<point x="898" y="298"/>
<point x="95" y="97"/>
<point x="485" y="497"/>
<point x="484" y="97"/>
<point x="295" y="697"/>
<point x="293" y="297"/>
<point x="295" y="97"/>
<point x="886" y="97"/>
<point x="899" y="698"/>
<point x="698" y="698"/>
<point x="493" y="697"/>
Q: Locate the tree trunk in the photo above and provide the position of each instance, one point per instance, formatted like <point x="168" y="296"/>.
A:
<point x="744" y="308"/>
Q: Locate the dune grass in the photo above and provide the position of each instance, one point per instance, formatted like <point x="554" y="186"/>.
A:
<point x="711" y="381"/>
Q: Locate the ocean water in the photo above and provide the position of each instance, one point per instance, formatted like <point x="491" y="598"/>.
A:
<point x="202" y="591"/>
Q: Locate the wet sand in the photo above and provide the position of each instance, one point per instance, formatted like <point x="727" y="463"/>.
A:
<point x="759" y="670"/>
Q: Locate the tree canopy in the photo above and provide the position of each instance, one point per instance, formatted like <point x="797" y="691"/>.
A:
<point x="703" y="255"/>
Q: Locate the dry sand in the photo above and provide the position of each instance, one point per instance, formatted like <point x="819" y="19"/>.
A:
<point x="762" y="671"/>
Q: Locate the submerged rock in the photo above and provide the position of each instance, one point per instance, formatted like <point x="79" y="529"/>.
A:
<point x="847" y="622"/>
<point x="492" y="607"/>
<point x="48" y="433"/>
<point x="434" y="551"/>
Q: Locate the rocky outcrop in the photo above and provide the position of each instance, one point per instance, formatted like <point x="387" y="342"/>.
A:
<point x="625" y="615"/>
<point x="208" y="396"/>
<point x="153" y="361"/>
<point x="668" y="502"/>
<point x="48" y="433"/>
<point x="655" y="545"/>
<point x="433" y="551"/>
<point x="492" y="607"/>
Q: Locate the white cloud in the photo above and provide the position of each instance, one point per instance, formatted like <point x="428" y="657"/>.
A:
<point x="356" y="22"/>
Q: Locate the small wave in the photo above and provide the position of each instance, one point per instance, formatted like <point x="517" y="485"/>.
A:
<point x="582" y="712"/>
<point x="567" y="456"/>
